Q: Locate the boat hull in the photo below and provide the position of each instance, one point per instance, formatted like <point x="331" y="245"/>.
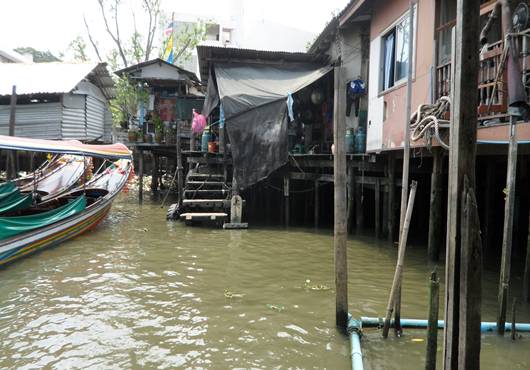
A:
<point x="54" y="234"/>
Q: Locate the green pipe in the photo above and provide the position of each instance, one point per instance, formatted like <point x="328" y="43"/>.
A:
<point x="376" y="322"/>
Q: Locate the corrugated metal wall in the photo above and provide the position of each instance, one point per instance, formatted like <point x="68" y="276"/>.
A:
<point x="73" y="122"/>
<point x="107" y="126"/>
<point x="40" y="121"/>
<point x="95" y="114"/>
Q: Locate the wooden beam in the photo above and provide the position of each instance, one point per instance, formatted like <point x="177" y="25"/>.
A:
<point x="432" y="327"/>
<point x="507" y="238"/>
<point x="435" y="211"/>
<point x="462" y="165"/>
<point x="340" y="213"/>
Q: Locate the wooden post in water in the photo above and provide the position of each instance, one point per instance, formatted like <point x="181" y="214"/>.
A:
<point x="514" y="327"/>
<point x="432" y="326"/>
<point x="180" y="168"/>
<point x="507" y="236"/>
<point x="141" y="176"/>
<point x="377" y="205"/>
<point x="489" y="196"/>
<point x="462" y="309"/>
<point x="351" y="199"/>
<point x="317" y="204"/>
<point x="11" y="167"/>
<point x="396" y="283"/>
<point x="435" y="212"/>
<point x="155" y="173"/>
<point x="340" y="212"/>
<point x="391" y="197"/>
<point x="286" y="183"/>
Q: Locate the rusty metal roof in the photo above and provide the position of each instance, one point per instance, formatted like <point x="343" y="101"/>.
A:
<point x="53" y="78"/>
<point x="212" y="54"/>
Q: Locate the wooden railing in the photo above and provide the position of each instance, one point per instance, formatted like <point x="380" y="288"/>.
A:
<point x="491" y="92"/>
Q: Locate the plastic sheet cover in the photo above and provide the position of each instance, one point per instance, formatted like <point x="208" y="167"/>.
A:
<point x="254" y="100"/>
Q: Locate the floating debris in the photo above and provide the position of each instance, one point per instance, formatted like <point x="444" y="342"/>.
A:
<point x="309" y="286"/>
<point x="229" y="294"/>
<point x="274" y="307"/>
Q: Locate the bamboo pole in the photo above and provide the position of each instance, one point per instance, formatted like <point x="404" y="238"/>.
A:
<point x="406" y="150"/>
<point x="462" y="165"/>
<point x="432" y="327"/>
<point x="507" y="238"/>
<point x="340" y="200"/>
<point x="396" y="283"/>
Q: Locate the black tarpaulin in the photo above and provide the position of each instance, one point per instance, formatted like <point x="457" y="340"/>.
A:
<point x="254" y="103"/>
<point x="211" y="100"/>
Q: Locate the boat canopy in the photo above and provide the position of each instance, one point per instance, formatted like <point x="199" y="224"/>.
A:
<point x="11" y="226"/>
<point x="112" y="151"/>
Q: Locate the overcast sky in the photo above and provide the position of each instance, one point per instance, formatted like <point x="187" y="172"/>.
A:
<point x="52" y="24"/>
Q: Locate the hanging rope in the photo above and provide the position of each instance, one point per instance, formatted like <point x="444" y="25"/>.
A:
<point x="427" y="120"/>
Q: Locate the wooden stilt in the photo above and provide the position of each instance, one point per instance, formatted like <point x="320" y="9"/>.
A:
<point x="359" y="215"/>
<point x="141" y="176"/>
<point x="462" y="323"/>
<point x="487" y="222"/>
<point x="180" y="168"/>
<point x="526" y="276"/>
<point x="377" y="205"/>
<point x="396" y="283"/>
<point x="317" y="204"/>
<point x="154" y="175"/>
<point x="432" y="326"/>
<point x="351" y="200"/>
<point x="286" y="183"/>
<point x="340" y="199"/>
<point x="391" y="198"/>
<point x="507" y="238"/>
<point x="514" y="328"/>
<point x="435" y="211"/>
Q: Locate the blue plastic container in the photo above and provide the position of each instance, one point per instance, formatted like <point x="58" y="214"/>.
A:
<point x="206" y="137"/>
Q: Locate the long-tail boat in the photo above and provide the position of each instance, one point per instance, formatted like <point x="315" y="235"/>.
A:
<point x="55" y="220"/>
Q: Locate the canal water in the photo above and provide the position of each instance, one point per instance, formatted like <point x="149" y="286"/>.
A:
<point x="140" y="292"/>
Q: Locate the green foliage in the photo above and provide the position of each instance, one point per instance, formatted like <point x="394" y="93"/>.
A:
<point x="124" y="105"/>
<point x="159" y="125"/>
<point x="38" y="55"/>
<point x="78" y="48"/>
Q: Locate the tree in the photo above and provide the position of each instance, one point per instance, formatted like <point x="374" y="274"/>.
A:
<point x="78" y="48"/>
<point x="38" y="55"/>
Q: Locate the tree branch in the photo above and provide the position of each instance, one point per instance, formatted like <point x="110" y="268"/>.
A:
<point x="94" y="45"/>
<point x="115" y="38"/>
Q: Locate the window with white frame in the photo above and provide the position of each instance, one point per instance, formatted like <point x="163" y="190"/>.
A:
<point x="395" y="58"/>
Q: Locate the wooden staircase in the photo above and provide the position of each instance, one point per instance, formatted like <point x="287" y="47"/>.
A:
<point x="206" y="200"/>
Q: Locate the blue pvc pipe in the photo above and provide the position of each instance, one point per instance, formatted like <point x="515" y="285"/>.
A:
<point x="368" y="322"/>
<point x="354" y="330"/>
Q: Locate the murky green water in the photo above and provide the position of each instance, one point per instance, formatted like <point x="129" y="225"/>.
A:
<point x="140" y="292"/>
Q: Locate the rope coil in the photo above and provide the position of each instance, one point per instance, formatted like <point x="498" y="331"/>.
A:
<point x="427" y="120"/>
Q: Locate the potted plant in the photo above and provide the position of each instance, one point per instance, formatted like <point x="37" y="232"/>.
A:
<point x="132" y="134"/>
<point x="159" y="129"/>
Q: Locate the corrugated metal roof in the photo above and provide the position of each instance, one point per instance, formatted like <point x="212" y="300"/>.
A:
<point x="52" y="78"/>
<point x="209" y="54"/>
<point x="159" y="61"/>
